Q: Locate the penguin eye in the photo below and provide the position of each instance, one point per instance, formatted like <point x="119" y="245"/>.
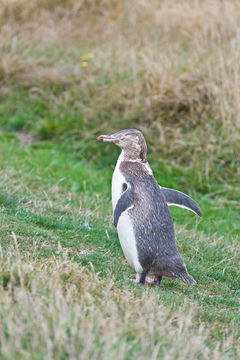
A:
<point x="124" y="187"/>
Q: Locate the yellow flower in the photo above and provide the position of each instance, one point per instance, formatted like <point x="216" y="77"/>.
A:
<point x="90" y="55"/>
<point x="84" y="57"/>
<point x="84" y="64"/>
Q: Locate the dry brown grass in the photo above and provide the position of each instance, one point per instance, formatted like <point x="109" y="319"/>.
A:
<point x="164" y="46"/>
<point x="183" y="56"/>
<point x="55" y="309"/>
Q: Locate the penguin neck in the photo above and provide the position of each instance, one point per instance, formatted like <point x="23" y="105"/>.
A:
<point x="133" y="156"/>
<point x="144" y="163"/>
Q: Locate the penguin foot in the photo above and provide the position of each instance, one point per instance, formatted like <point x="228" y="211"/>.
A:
<point x="137" y="280"/>
<point x="145" y="280"/>
<point x="149" y="280"/>
<point x="155" y="281"/>
<point x="140" y="279"/>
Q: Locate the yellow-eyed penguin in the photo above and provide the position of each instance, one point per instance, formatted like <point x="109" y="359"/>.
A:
<point x="141" y="215"/>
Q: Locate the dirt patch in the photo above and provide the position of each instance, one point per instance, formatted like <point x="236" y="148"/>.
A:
<point x="25" y="139"/>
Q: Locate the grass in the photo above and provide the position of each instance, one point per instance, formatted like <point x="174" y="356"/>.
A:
<point x="61" y="262"/>
<point x="169" y="69"/>
<point x="181" y="90"/>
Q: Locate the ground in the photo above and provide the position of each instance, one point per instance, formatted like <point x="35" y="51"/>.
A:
<point x="65" y="287"/>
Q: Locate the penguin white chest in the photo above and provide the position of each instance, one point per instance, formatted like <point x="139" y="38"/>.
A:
<point x="117" y="183"/>
<point x="125" y="225"/>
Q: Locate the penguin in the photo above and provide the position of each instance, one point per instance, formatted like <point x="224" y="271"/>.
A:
<point x="141" y="214"/>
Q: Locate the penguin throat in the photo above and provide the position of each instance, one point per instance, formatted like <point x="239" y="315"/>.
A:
<point x="134" y="155"/>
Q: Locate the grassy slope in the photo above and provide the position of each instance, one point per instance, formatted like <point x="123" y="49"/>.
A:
<point x="65" y="286"/>
<point x="59" y="209"/>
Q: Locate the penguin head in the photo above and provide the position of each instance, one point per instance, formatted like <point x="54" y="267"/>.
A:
<point x="131" y="141"/>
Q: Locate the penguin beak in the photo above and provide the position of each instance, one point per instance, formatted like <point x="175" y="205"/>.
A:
<point x="108" y="138"/>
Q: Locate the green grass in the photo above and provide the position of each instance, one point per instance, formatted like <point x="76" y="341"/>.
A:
<point x="58" y="205"/>
<point x="210" y="168"/>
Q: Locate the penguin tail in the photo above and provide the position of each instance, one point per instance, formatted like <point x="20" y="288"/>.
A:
<point x="185" y="277"/>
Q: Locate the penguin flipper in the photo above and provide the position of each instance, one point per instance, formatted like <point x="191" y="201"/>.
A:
<point x="178" y="198"/>
<point x="124" y="202"/>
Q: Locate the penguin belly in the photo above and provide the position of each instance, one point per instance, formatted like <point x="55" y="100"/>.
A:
<point x="125" y="228"/>
<point x="128" y="241"/>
